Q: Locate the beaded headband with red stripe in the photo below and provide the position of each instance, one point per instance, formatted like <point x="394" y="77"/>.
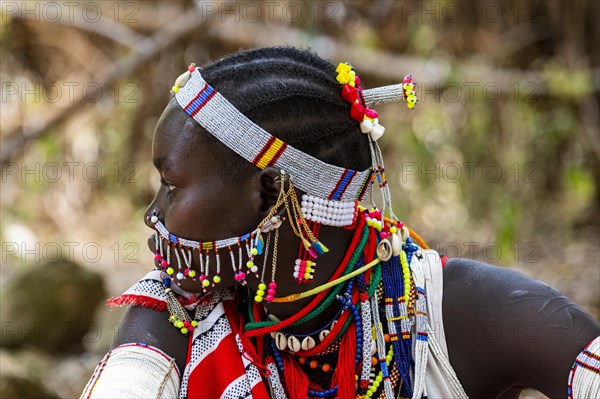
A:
<point x="221" y="119"/>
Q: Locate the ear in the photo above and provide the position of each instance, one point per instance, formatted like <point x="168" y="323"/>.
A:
<point x="269" y="186"/>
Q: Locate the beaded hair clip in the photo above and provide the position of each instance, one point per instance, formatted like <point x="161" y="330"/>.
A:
<point x="360" y="111"/>
<point x="361" y="99"/>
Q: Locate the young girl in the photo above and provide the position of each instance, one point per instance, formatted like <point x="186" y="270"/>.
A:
<point x="273" y="280"/>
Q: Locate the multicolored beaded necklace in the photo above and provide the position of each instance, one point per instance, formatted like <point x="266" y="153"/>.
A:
<point x="376" y="354"/>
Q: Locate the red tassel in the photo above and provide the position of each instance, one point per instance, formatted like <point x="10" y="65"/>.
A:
<point x="344" y="374"/>
<point x="249" y="352"/>
<point x="137" y="300"/>
<point x="296" y="381"/>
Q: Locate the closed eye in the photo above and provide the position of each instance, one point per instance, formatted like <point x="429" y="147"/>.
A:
<point x="170" y="186"/>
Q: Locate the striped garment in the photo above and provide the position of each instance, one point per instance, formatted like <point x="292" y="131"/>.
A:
<point x="584" y="378"/>
<point x="217" y="365"/>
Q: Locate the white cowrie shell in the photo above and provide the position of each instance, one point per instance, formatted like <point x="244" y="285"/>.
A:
<point x="294" y="344"/>
<point x="396" y="245"/>
<point x="281" y="341"/>
<point x="323" y="334"/>
<point x="373" y="348"/>
<point x="384" y="250"/>
<point x="308" y="343"/>
<point x="405" y="233"/>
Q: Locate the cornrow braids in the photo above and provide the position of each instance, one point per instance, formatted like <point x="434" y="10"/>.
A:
<point x="294" y="95"/>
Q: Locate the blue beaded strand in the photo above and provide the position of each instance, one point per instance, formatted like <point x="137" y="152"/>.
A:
<point x="393" y="282"/>
<point x="346" y="301"/>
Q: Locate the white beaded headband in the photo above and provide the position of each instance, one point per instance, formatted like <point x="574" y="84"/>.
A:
<point x="221" y="119"/>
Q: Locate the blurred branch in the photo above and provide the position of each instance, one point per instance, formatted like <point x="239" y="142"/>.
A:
<point x="374" y="62"/>
<point x="384" y="65"/>
<point x="108" y="28"/>
<point x="146" y="48"/>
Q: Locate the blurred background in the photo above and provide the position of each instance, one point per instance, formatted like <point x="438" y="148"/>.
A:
<point x="499" y="162"/>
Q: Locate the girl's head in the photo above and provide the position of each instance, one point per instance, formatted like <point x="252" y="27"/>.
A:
<point x="208" y="191"/>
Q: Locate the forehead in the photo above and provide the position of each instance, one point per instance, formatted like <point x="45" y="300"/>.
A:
<point x="182" y="146"/>
<point x="175" y="142"/>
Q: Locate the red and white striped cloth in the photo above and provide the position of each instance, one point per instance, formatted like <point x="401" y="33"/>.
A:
<point x="217" y="364"/>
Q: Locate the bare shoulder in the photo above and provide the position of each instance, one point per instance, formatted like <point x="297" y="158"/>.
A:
<point x="151" y="327"/>
<point x="505" y="330"/>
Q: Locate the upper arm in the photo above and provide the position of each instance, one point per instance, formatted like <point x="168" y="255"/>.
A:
<point x="504" y="329"/>
<point x="143" y="325"/>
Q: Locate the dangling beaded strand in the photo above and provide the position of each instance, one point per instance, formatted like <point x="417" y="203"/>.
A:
<point x="273" y="284"/>
<point x="260" y="293"/>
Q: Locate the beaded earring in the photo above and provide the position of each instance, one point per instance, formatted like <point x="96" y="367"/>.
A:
<point x="270" y="223"/>
<point x="309" y="243"/>
<point x="299" y="225"/>
<point x="260" y="293"/>
<point x="305" y="265"/>
<point x="262" y="286"/>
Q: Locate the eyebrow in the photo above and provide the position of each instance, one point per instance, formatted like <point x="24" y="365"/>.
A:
<point x="162" y="164"/>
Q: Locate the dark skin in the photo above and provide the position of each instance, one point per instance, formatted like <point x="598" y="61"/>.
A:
<point x="504" y="331"/>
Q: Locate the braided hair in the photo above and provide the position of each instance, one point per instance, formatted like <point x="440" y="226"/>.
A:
<point x="294" y="95"/>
